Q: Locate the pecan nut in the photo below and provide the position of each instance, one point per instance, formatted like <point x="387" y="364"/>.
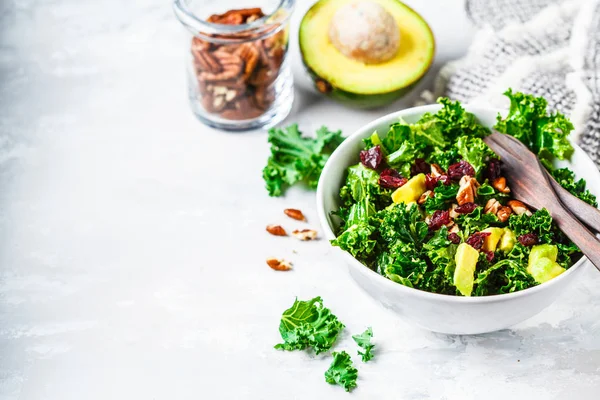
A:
<point x="294" y="214"/>
<point x="249" y="55"/>
<point x="467" y="190"/>
<point x="503" y="213"/>
<point x="452" y="211"/>
<point x="279" y="264"/>
<point x="500" y="185"/>
<point x="276" y="230"/>
<point x="436" y="171"/>
<point x="305" y="234"/>
<point x="424" y="197"/>
<point x="518" y="207"/>
<point x="246" y="69"/>
<point x="492" y="206"/>
<point x="231" y="67"/>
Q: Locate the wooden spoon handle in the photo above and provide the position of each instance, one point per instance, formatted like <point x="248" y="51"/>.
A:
<point x="579" y="234"/>
<point x="586" y="213"/>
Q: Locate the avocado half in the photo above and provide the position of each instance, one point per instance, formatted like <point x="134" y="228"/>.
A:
<point x="355" y="83"/>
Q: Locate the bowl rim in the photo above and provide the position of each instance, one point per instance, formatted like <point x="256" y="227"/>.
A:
<point x="364" y="132"/>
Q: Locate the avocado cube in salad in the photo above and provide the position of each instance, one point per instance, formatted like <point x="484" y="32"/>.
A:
<point x="466" y="262"/>
<point x="410" y="191"/>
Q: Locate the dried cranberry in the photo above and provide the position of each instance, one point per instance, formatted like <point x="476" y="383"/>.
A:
<point x="439" y="219"/>
<point x="466" y="208"/>
<point x="528" y="239"/>
<point x="454" y="238"/>
<point x="493" y="170"/>
<point x="430" y="182"/>
<point x="476" y="239"/>
<point x="460" y="169"/>
<point x="420" y="167"/>
<point x="391" y="179"/>
<point x="371" y="158"/>
<point x="489" y="255"/>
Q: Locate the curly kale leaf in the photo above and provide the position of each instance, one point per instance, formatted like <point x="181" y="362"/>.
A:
<point x="566" y="178"/>
<point x="540" y="223"/>
<point x="528" y="121"/>
<point x="443" y="157"/>
<point x="364" y="341"/>
<point x="405" y="266"/>
<point x="443" y="197"/>
<point x="441" y="252"/>
<point x="431" y="136"/>
<point x="308" y="324"/>
<point x="476" y="221"/>
<point x="474" y="151"/>
<point x="505" y="276"/>
<point x="341" y="371"/>
<point x="357" y="240"/>
<point x="297" y="159"/>
<point x="401" y="223"/>
<point x="361" y="196"/>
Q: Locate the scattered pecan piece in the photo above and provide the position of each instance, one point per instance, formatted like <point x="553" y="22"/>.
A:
<point x="454" y="228"/>
<point x="294" y="214"/>
<point x="503" y="213"/>
<point x="500" y="185"/>
<point x="436" y="171"/>
<point x="519" y="207"/>
<point x="276" y="230"/>
<point x="424" y="197"/>
<point x="492" y="206"/>
<point x="467" y="190"/>
<point x="452" y="211"/>
<point x="305" y="234"/>
<point x="279" y="264"/>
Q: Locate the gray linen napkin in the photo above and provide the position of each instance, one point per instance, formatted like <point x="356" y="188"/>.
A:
<point x="544" y="47"/>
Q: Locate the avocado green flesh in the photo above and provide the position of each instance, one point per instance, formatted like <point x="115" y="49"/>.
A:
<point x="360" y="85"/>
<point x="542" y="263"/>
<point x="464" y="275"/>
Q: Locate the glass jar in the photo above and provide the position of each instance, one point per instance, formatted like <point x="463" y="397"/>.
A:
<point x="238" y="73"/>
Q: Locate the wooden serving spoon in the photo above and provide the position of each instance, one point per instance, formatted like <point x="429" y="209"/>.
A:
<point x="530" y="183"/>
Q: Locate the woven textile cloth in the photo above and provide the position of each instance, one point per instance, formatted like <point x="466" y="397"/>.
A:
<point x="547" y="48"/>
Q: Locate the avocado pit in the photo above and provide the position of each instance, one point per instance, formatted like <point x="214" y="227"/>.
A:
<point x="365" y="31"/>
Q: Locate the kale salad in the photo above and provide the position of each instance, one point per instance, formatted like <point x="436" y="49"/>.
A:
<point x="428" y="207"/>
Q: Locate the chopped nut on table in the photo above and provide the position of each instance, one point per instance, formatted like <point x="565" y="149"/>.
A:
<point x="305" y="234"/>
<point x="276" y="230"/>
<point x="294" y="214"/>
<point x="279" y="264"/>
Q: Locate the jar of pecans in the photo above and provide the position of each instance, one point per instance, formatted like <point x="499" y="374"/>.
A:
<point x="238" y="73"/>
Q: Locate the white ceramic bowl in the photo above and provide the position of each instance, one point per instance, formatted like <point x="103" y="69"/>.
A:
<point x="437" y="312"/>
